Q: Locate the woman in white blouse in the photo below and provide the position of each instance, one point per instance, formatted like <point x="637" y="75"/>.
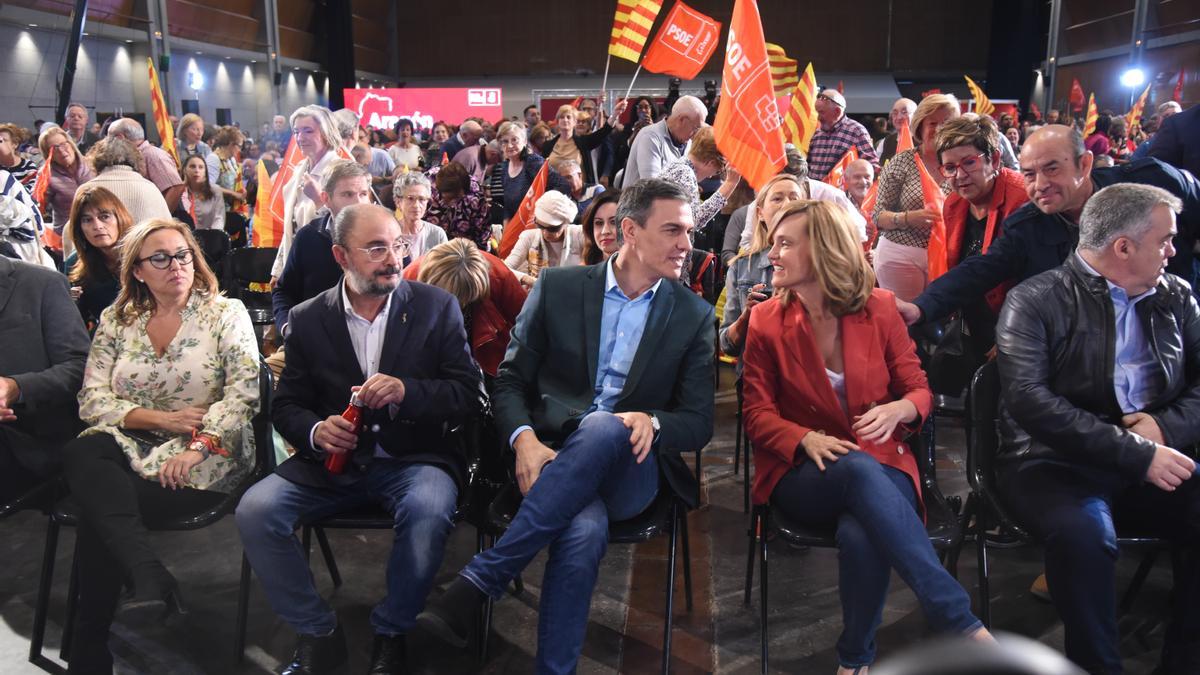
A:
<point x="317" y="137"/>
<point x="200" y="200"/>
<point x="412" y="193"/>
<point x="170" y="387"/>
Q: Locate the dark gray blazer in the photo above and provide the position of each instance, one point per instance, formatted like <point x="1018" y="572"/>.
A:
<point x="548" y="377"/>
<point x="43" y="346"/>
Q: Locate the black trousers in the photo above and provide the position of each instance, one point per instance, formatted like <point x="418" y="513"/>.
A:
<point x="116" y="506"/>
<point x="1076" y="512"/>
<point x="16" y="477"/>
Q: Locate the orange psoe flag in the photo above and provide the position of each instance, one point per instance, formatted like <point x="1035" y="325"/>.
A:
<point x="801" y="121"/>
<point x="834" y="177"/>
<point x="524" y="218"/>
<point x="904" y="139"/>
<point x="748" y="129"/>
<point x="684" y="43"/>
<point x="934" y="198"/>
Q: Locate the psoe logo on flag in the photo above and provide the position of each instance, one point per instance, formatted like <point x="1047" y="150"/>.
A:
<point x="483" y="97"/>
<point x="690" y="34"/>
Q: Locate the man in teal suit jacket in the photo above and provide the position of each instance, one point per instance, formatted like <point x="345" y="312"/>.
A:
<point x="612" y="365"/>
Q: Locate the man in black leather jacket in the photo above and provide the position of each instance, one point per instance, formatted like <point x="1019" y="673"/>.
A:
<point x="1041" y="234"/>
<point x="1100" y="367"/>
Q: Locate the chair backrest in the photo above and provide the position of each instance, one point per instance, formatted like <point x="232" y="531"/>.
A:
<point x="983" y="436"/>
<point x="215" y="245"/>
<point x="251" y="265"/>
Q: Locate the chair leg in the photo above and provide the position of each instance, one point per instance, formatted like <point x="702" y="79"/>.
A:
<point x="68" y="632"/>
<point x="485" y="634"/>
<point x="752" y="538"/>
<point x="737" y="440"/>
<point x="763" y="523"/>
<point x="687" y="558"/>
<point x="985" y="599"/>
<point x="243" y="608"/>
<point x="46" y="578"/>
<point x="306" y="542"/>
<point x="327" y="553"/>
<point x="668" y="618"/>
<point x="746" y="481"/>
<point x="1139" y="578"/>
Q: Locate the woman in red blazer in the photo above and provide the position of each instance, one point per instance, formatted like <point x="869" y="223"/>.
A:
<point x="833" y="385"/>
<point x="985" y="193"/>
<point x="491" y="297"/>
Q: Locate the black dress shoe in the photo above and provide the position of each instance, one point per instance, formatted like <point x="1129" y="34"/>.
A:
<point x="451" y="616"/>
<point x="317" y="655"/>
<point x="155" y="598"/>
<point x="388" y="655"/>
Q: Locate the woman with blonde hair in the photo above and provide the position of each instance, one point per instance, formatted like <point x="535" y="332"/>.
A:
<point x="832" y="388"/>
<point x="170" y="387"/>
<point x="316" y="135"/>
<point x="901" y="260"/>
<point x="189" y="136"/>
<point x="98" y="223"/>
<point x="489" y="294"/>
<point x="748" y="281"/>
<point x="68" y="170"/>
<point x="571" y="145"/>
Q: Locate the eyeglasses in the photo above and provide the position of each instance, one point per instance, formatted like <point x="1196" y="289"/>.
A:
<point x="379" y="253"/>
<point x="552" y="229"/>
<point x="969" y="165"/>
<point x="823" y="97"/>
<point x="162" y="261"/>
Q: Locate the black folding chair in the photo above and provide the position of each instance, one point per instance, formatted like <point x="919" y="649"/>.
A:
<point x="992" y="523"/>
<point x="666" y="516"/>
<point x="941" y="523"/>
<point x="246" y="266"/>
<point x="215" y="245"/>
<point x="66" y="513"/>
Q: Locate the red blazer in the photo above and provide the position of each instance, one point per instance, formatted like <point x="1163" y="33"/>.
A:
<point x="1008" y="194"/>
<point x="787" y="393"/>
<point x="494" y="317"/>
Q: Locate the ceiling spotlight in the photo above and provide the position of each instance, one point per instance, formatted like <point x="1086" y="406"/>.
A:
<point x="129" y="42"/>
<point x="33" y="25"/>
<point x="1134" y="77"/>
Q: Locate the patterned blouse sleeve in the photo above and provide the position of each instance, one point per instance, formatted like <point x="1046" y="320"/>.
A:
<point x="891" y="186"/>
<point x="237" y="361"/>
<point x="99" y="405"/>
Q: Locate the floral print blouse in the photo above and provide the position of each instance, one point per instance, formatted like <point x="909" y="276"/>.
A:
<point x="211" y="362"/>
<point x="466" y="218"/>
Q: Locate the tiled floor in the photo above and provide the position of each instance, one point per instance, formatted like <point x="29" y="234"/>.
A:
<point x="625" y="634"/>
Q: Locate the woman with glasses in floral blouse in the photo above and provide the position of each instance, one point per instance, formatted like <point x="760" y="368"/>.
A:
<point x="170" y="387"/>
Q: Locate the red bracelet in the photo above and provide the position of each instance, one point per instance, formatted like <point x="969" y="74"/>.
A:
<point x="209" y="442"/>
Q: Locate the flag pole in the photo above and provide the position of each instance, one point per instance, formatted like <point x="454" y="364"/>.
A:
<point x="604" y="84"/>
<point x="635" y="74"/>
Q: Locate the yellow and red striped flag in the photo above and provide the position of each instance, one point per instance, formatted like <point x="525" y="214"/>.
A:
<point x="635" y="30"/>
<point x="1089" y="123"/>
<point x="801" y="121"/>
<point x="524" y="218"/>
<point x="162" y="121"/>
<point x="1134" y="116"/>
<point x="834" y="177"/>
<point x="983" y="105"/>
<point x="783" y="70"/>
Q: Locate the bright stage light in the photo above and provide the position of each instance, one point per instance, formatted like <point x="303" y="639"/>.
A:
<point x="1134" y="77"/>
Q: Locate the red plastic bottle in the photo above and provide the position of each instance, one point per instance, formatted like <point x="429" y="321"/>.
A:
<point x="353" y="414"/>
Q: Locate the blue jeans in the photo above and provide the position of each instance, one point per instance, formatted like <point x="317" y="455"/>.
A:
<point x="421" y="497"/>
<point x="594" y="479"/>
<point x="1076" y="512"/>
<point x="874" y="510"/>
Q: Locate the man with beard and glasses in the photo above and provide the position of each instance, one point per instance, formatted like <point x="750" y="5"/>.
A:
<point x="401" y="346"/>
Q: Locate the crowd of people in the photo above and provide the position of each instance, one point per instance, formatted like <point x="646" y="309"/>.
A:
<point x="586" y="346"/>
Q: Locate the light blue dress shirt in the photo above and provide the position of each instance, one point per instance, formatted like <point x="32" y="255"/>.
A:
<point x="1136" y="371"/>
<point x="622" y="322"/>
